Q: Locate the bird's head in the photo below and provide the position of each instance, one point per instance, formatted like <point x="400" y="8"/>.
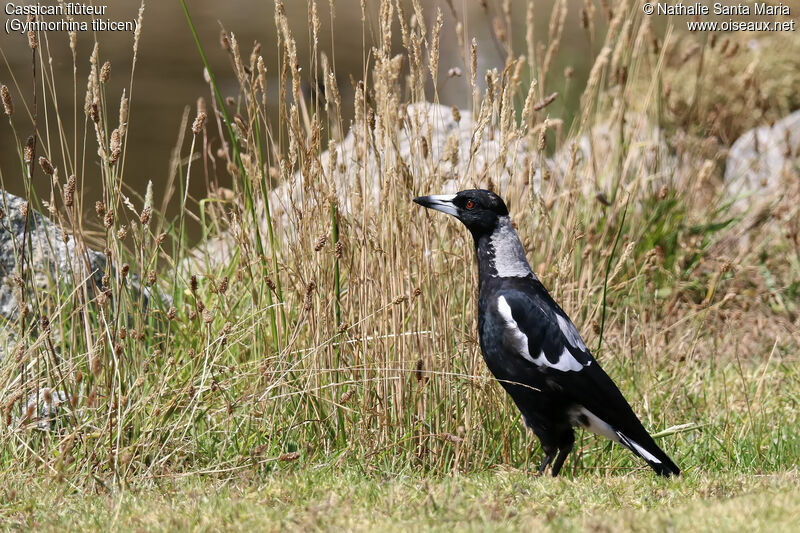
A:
<point x="479" y="210"/>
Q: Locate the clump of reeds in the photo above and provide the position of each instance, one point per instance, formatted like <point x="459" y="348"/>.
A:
<point x="336" y="320"/>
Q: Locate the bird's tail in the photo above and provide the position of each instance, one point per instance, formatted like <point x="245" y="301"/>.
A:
<point x="648" y="450"/>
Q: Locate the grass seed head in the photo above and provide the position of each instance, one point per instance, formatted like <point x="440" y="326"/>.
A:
<point x="473" y="62"/>
<point x="94" y="111"/>
<point x="123" y="114"/>
<point x="30" y="150"/>
<point x="224" y="41"/>
<point x="344" y="398"/>
<point x="29" y="412"/>
<point x="199" y="123"/>
<point x="308" y="300"/>
<point x="115" y="146"/>
<point x="546" y="102"/>
<point x="419" y="370"/>
<point x="96" y="362"/>
<point x="8" y="104"/>
<point x="499" y="29"/>
<point x="69" y="191"/>
<point x="542" y="137"/>
<point x="289" y="457"/>
<point x="105" y="72"/>
<point x="33" y="40"/>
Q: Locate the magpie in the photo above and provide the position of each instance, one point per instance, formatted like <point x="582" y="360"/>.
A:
<point x="532" y="347"/>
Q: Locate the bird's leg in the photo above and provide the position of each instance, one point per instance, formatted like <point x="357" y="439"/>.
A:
<point x="562" y="456"/>
<point x="565" y="446"/>
<point x="549" y="455"/>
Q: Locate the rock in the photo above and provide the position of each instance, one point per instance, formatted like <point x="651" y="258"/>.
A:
<point x="434" y="144"/>
<point x="600" y="152"/>
<point x="51" y="261"/>
<point x="763" y="162"/>
<point x="431" y="142"/>
<point x="45" y="407"/>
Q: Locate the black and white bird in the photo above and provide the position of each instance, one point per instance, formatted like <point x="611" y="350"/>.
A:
<point x="534" y="349"/>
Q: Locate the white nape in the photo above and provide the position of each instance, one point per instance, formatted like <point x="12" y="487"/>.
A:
<point x="509" y="256"/>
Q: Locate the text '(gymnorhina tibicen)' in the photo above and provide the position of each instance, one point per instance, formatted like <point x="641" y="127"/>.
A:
<point x="534" y="349"/>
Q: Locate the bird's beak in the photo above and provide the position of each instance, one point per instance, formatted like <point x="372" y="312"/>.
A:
<point x="439" y="202"/>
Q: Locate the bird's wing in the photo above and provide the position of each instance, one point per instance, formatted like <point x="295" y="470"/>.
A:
<point x="538" y="331"/>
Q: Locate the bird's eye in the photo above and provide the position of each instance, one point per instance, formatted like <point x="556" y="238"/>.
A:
<point x="470" y="204"/>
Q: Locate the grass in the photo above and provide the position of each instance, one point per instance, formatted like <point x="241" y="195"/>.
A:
<point x="322" y="368"/>
<point x="299" y="499"/>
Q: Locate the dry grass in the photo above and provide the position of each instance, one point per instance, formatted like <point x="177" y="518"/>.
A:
<point x="341" y="327"/>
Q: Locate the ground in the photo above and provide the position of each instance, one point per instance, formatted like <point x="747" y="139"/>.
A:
<point x="322" y="498"/>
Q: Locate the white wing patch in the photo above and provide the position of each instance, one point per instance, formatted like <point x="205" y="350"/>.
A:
<point x="566" y="362"/>
<point x="570" y="333"/>
<point x="519" y="341"/>
<point x="641" y="451"/>
<point x="581" y="416"/>
<point x="518" y="338"/>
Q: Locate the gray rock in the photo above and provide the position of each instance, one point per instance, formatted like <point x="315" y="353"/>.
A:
<point x="431" y="146"/>
<point x="47" y="409"/>
<point x="763" y="162"/>
<point x="51" y="260"/>
<point x="431" y="143"/>
<point x="602" y="153"/>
